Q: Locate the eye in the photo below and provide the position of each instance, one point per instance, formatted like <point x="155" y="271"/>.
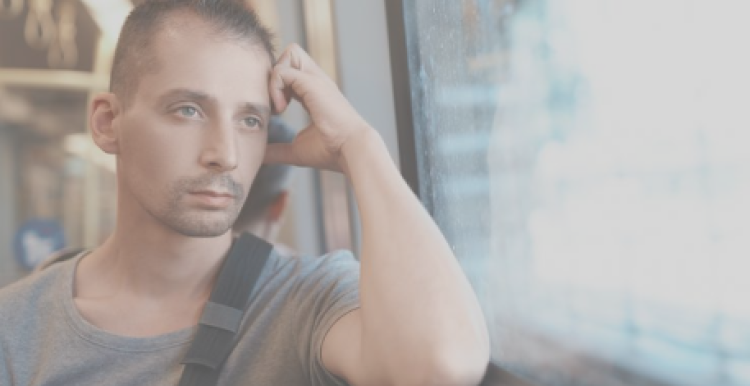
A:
<point x="188" y="111"/>
<point x="252" y="122"/>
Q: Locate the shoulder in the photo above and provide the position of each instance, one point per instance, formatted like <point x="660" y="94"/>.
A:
<point x="29" y="294"/>
<point x="302" y="268"/>
<point x="59" y="256"/>
<point x="340" y="258"/>
<point x="299" y="277"/>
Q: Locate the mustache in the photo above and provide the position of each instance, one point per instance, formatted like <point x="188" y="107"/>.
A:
<point x="209" y="182"/>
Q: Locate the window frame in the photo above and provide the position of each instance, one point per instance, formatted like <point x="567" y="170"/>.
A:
<point x="402" y="98"/>
<point x="408" y="144"/>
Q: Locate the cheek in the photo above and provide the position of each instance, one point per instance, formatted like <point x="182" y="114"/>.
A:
<point x="255" y="148"/>
<point x="150" y="154"/>
<point x="251" y="158"/>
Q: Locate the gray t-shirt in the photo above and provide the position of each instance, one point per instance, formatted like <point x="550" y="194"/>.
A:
<point x="45" y="341"/>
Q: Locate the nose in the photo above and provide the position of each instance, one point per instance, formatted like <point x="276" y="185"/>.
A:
<point x="219" y="152"/>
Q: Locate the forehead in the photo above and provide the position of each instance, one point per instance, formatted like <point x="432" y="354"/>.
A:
<point x="190" y="53"/>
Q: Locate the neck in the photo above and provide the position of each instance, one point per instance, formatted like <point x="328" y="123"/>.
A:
<point x="145" y="258"/>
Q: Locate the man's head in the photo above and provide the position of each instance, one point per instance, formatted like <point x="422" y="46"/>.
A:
<point x="134" y="56"/>
<point x="267" y="198"/>
<point x="187" y="115"/>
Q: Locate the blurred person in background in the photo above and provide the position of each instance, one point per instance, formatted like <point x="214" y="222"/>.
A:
<point x="268" y="198"/>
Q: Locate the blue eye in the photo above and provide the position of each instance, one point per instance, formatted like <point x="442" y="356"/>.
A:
<point x="251" y="122"/>
<point x="188" y="111"/>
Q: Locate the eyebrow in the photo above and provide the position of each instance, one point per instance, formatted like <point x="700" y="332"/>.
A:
<point x="198" y="96"/>
<point x="254" y="108"/>
<point x="183" y="93"/>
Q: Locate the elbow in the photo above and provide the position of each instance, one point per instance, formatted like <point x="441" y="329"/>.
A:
<point x="451" y="369"/>
<point x="461" y="371"/>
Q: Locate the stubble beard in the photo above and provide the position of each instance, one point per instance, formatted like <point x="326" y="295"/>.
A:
<point x="202" y="223"/>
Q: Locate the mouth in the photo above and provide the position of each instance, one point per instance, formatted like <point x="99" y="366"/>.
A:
<point x="212" y="199"/>
<point x="213" y="193"/>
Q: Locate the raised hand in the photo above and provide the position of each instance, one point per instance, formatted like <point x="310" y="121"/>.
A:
<point x="334" y="122"/>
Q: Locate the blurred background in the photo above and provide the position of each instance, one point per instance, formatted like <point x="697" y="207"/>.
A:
<point x="586" y="159"/>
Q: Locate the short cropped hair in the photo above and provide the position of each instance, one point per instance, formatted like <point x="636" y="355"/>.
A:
<point x="271" y="180"/>
<point x="134" y="57"/>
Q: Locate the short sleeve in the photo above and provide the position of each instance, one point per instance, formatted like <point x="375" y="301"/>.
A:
<point x="329" y="290"/>
<point x="4" y="368"/>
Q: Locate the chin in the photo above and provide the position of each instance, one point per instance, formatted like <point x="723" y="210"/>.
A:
<point x="201" y="227"/>
<point x="202" y="232"/>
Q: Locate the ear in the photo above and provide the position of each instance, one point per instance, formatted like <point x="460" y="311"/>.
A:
<point x="105" y="108"/>
<point x="276" y="209"/>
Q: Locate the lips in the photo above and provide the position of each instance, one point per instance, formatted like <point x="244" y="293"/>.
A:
<point x="213" y="199"/>
<point x="213" y="193"/>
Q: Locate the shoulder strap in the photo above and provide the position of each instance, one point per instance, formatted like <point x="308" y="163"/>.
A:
<point x="223" y="313"/>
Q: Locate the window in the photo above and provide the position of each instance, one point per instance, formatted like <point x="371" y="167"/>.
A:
<point x="587" y="161"/>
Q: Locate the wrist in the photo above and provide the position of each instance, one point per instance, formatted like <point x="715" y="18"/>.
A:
<point x="361" y="148"/>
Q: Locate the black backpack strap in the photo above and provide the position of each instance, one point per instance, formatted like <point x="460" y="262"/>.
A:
<point x="223" y="313"/>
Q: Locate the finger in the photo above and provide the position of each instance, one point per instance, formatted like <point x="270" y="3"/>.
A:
<point x="280" y="153"/>
<point x="292" y="83"/>
<point x="282" y="87"/>
<point x="296" y="57"/>
<point x="279" y="93"/>
<point x="291" y="59"/>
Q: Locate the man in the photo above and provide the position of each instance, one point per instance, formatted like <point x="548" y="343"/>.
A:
<point x="267" y="200"/>
<point x="193" y="84"/>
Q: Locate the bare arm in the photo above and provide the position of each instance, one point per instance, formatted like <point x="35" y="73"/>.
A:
<point x="419" y="322"/>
